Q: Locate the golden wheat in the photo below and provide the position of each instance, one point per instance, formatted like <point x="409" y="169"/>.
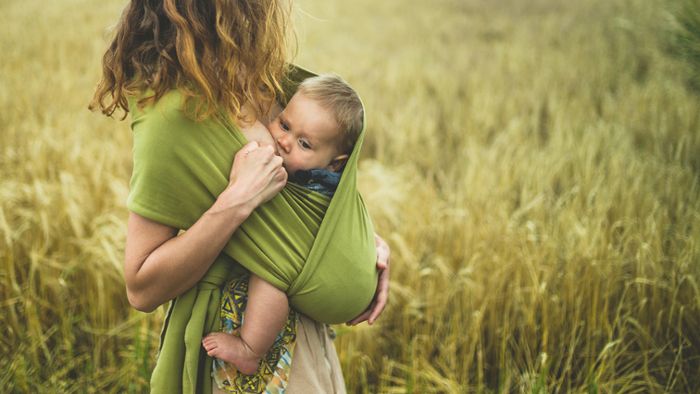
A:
<point x="534" y="166"/>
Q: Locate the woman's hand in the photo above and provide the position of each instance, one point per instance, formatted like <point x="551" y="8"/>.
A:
<point x="381" y="295"/>
<point x="256" y="176"/>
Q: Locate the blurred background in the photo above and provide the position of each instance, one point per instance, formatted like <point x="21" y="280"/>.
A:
<point x="534" y="166"/>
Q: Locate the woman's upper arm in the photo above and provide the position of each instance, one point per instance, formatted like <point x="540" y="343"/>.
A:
<point x="143" y="236"/>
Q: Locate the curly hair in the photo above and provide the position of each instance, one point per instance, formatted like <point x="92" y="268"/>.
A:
<point x="223" y="53"/>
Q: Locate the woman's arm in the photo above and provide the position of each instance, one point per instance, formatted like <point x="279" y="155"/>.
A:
<point x="381" y="295"/>
<point x="160" y="265"/>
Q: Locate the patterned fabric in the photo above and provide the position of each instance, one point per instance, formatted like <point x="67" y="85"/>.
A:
<point x="317" y="179"/>
<point x="273" y="374"/>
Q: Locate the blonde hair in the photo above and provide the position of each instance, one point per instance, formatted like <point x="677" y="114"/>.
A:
<point x="223" y="53"/>
<point x="336" y="96"/>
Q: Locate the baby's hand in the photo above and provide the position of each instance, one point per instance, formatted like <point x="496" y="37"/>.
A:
<point x="259" y="133"/>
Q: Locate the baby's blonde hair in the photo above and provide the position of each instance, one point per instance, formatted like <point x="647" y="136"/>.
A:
<point x="336" y="95"/>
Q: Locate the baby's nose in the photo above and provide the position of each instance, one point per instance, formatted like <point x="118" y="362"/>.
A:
<point x="283" y="143"/>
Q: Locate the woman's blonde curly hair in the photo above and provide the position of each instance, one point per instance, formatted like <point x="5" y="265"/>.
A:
<point x="224" y="53"/>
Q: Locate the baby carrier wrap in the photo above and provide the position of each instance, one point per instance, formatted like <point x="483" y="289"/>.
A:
<point x="319" y="251"/>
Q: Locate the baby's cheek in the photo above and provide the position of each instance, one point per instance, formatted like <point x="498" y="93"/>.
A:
<point x="290" y="166"/>
<point x="297" y="164"/>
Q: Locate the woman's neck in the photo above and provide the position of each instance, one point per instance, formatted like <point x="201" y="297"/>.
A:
<point x="249" y="115"/>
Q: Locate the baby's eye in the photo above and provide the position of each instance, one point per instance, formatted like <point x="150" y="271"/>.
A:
<point x="304" y="144"/>
<point x="284" y="126"/>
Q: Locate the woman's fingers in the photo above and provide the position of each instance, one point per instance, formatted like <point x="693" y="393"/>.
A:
<point x="274" y="163"/>
<point x="376" y="307"/>
<point x="257" y="174"/>
<point x="381" y="297"/>
<point x="261" y="154"/>
<point x="281" y="175"/>
<point x="247" y="148"/>
<point x="240" y="160"/>
<point x="277" y="183"/>
<point x="361" y="318"/>
<point x="275" y="174"/>
<point x="383" y="252"/>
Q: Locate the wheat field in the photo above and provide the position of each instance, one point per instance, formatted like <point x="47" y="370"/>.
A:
<point x="534" y="166"/>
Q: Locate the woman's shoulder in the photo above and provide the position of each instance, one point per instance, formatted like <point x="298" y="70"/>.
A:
<point x="171" y="120"/>
<point x="170" y="104"/>
<point x="171" y="116"/>
<point x="163" y="130"/>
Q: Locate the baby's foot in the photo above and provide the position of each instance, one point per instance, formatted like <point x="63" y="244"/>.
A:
<point x="233" y="350"/>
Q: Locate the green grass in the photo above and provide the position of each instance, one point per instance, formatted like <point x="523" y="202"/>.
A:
<point x="684" y="37"/>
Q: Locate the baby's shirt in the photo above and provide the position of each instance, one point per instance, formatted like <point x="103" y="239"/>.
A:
<point x="317" y="179"/>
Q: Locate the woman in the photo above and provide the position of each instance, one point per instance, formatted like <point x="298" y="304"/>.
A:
<point x="225" y="58"/>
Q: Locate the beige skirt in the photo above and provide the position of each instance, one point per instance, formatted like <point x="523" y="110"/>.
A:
<point x="315" y="364"/>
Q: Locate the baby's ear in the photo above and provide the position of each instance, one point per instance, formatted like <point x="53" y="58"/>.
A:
<point x="337" y="163"/>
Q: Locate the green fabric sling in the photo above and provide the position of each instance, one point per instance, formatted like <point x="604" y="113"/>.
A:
<point x="320" y="251"/>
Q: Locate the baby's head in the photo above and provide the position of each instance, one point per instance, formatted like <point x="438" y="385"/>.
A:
<point x="319" y="126"/>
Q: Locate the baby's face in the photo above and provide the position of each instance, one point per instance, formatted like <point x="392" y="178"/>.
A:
<point x="306" y="135"/>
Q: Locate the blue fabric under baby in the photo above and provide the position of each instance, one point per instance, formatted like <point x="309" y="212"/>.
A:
<point x="317" y="179"/>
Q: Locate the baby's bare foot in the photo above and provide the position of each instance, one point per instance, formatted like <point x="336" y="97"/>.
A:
<point x="233" y="350"/>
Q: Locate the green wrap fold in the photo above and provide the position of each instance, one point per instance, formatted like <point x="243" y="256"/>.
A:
<point x="320" y="252"/>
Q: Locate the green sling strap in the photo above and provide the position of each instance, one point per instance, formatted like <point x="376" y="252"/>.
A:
<point x="320" y="251"/>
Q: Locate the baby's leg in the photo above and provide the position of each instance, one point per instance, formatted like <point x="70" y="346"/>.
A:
<point x="265" y="316"/>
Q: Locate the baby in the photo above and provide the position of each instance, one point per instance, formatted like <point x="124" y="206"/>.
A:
<point x="314" y="135"/>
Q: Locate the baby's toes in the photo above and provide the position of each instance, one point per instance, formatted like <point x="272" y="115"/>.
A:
<point x="209" y="344"/>
<point x="213" y="351"/>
